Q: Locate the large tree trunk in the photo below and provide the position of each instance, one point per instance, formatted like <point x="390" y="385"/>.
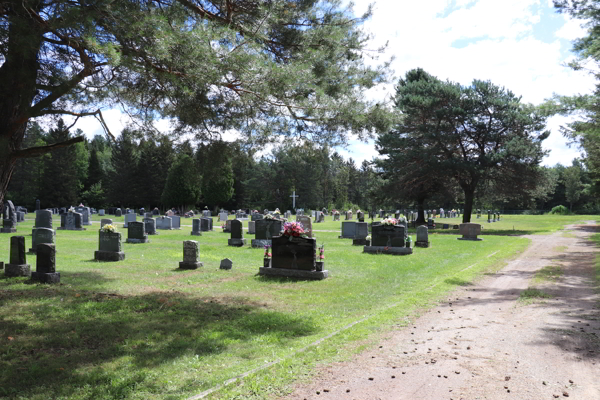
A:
<point x="18" y="77"/>
<point x="421" y="211"/>
<point x="469" y="197"/>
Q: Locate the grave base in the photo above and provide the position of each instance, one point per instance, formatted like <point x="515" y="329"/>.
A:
<point x="293" y="273"/>
<point x="196" y="233"/>
<point x="137" y="240"/>
<point x="151" y="233"/>
<point x="261" y="243"/>
<point x="46" y="277"/>
<point x="236" y="242"/>
<point x="190" y="265"/>
<point x="8" y="230"/>
<point x="164" y="229"/>
<point x="11" y="270"/>
<point x="422" y="244"/>
<point x="475" y="239"/>
<point x="345" y="237"/>
<point x="361" y="242"/>
<point x="70" y="229"/>
<point x="102" y="255"/>
<point x="399" y="251"/>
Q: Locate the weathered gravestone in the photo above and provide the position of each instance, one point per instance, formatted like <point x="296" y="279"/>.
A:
<point x="191" y="253"/>
<point x="109" y="247"/>
<point x="176" y="222"/>
<point x="18" y="263"/>
<point x="9" y="218"/>
<point x="39" y="236"/>
<point x="251" y="227"/>
<point x="45" y="265"/>
<point x="20" y="216"/>
<point x="348" y="230"/>
<point x="469" y="231"/>
<point x="388" y="239"/>
<point x="118" y="212"/>
<point x="129" y="218"/>
<point x="105" y="221"/>
<point x="136" y="233"/>
<point x="164" y="223"/>
<point x="43" y="219"/>
<point x="422" y="237"/>
<point x="196" y="227"/>
<point x="306" y="222"/>
<point x="226" y="264"/>
<point x="85" y="213"/>
<point x="294" y="258"/>
<point x="360" y="235"/>
<point x="71" y="221"/>
<point x="361" y="216"/>
<point x="149" y="224"/>
<point x="227" y="227"/>
<point x="266" y="229"/>
<point x="206" y="224"/>
<point x="348" y="215"/>
<point x="237" y="234"/>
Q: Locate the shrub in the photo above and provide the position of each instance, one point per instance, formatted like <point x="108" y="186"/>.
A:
<point x="560" y="210"/>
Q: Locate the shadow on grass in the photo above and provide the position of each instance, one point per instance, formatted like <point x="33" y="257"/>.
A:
<point x="458" y="282"/>
<point x="62" y="340"/>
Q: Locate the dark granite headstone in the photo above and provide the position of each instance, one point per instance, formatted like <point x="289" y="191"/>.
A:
<point x="118" y="212"/>
<point x="150" y="226"/>
<point x="109" y="245"/>
<point x="43" y="219"/>
<point x="39" y="236"/>
<point x="348" y="230"/>
<point x="206" y="224"/>
<point x="226" y="264"/>
<point x="9" y="218"/>
<point x="196" y="227"/>
<point x="237" y="234"/>
<point x="388" y="235"/>
<point x="266" y="229"/>
<point x="71" y="221"/>
<point x="37" y="204"/>
<point x="136" y="233"/>
<point x="422" y="236"/>
<point x="256" y="216"/>
<point x="298" y="253"/>
<point x="45" y="267"/>
<point x="18" y="263"/>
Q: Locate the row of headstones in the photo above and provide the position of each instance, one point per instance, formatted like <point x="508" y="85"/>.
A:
<point x="45" y="261"/>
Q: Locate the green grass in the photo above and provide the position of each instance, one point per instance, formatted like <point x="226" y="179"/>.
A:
<point x="142" y="329"/>
<point x="531" y="295"/>
<point x="550" y="273"/>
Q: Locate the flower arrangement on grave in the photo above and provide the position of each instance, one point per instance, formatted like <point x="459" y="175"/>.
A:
<point x="267" y="253"/>
<point x="109" y="228"/>
<point x="270" y="216"/>
<point x="336" y="212"/>
<point x="276" y="211"/>
<point x="71" y="209"/>
<point x="322" y="252"/>
<point x="293" y="229"/>
<point x="368" y="237"/>
<point x="389" y="221"/>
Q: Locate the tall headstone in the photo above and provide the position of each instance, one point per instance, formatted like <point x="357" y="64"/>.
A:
<point x="136" y="233"/>
<point x="9" y="218"/>
<point x="251" y="227"/>
<point x="422" y="237"/>
<point x="129" y="218"/>
<point x="196" y="227"/>
<point x="71" y="221"/>
<point x="18" y="263"/>
<point x="190" y="255"/>
<point x="361" y="216"/>
<point x="37" y="204"/>
<point x="43" y="219"/>
<point x="109" y="247"/>
<point x="45" y="265"/>
<point x="237" y="234"/>
<point x="176" y="222"/>
<point x="470" y="231"/>
<point x="85" y="213"/>
<point x="149" y="224"/>
<point x="223" y="216"/>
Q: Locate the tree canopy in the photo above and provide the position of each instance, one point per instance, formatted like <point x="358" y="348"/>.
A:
<point x="261" y="68"/>
<point x="468" y="134"/>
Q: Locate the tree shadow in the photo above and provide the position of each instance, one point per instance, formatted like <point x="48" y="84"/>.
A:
<point x="68" y="331"/>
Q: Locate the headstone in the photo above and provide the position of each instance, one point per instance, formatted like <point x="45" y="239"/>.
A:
<point x="266" y="229"/>
<point x="237" y="234"/>
<point x="348" y="215"/>
<point x="129" y="218"/>
<point x="324" y="211"/>
<point x="176" y="222"/>
<point x="223" y="216"/>
<point x="430" y="223"/>
<point x="361" y="233"/>
<point x="149" y="225"/>
<point x="39" y="236"/>
<point x="18" y="263"/>
<point x="348" y="230"/>
<point x="381" y="213"/>
<point x="227" y="228"/>
<point x="191" y="253"/>
<point x="43" y="219"/>
<point x="306" y="224"/>
<point x="422" y="237"/>
<point x="136" y="233"/>
<point x="155" y="211"/>
<point x="164" y="223"/>
<point x="494" y="217"/>
<point x="109" y="247"/>
<point x="101" y="212"/>
<point x="226" y="264"/>
<point x="469" y="231"/>
<point x="45" y="266"/>
<point x="321" y="217"/>
<point x="489" y="216"/>
<point x="445" y="226"/>
<point x="71" y="221"/>
<point x="85" y="212"/>
<point x="105" y="221"/>
<point x="361" y="216"/>
<point x="206" y="224"/>
<point x="9" y="218"/>
<point x="256" y="217"/>
<point x="20" y="216"/>
<point x="37" y="204"/>
<point x="118" y="212"/>
<point x="294" y="258"/>
<point x="196" y="227"/>
<point x="206" y="213"/>
<point x="251" y="227"/>
<point x="336" y="217"/>
<point x="388" y="239"/>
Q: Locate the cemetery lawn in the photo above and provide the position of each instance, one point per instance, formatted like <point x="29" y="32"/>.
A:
<point x="142" y="329"/>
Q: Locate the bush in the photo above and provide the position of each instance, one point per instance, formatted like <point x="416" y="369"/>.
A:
<point x="560" y="210"/>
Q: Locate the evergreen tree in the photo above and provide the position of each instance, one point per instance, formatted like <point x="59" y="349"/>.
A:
<point x="182" y="189"/>
<point x="217" y="173"/>
<point x="122" y="184"/>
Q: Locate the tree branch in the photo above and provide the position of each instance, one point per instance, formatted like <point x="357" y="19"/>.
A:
<point x="38" y="151"/>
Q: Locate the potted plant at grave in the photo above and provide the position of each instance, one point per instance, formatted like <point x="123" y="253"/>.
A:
<point x="368" y="239"/>
<point x="320" y="261"/>
<point x="268" y="254"/>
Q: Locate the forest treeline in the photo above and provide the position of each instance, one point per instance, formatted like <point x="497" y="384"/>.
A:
<point x="141" y="169"/>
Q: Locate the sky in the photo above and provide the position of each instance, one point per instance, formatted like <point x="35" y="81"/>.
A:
<point x="522" y="45"/>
